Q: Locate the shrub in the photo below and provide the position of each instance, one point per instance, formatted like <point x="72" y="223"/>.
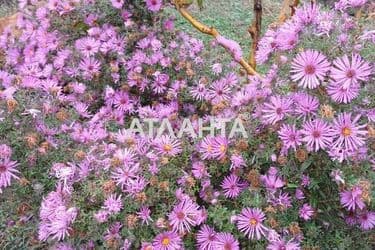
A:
<point x="74" y="76"/>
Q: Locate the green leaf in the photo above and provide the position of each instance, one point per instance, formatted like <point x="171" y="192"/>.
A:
<point x="306" y="164"/>
<point x="292" y="185"/>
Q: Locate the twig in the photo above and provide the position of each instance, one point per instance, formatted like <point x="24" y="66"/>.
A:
<point x="287" y="4"/>
<point x="196" y="24"/>
<point x="283" y="12"/>
<point x="212" y="32"/>
<point x="294" y="7"/>
<point x="255" y="30"/>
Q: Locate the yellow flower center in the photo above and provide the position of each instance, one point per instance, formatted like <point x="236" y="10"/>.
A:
<point x="253" y="222"/>
<point x="346" y="131"/>
<point x="165" y="241"/>
<point x="167" y="147"/>
<point x="209" y="148"/>
<point x="223" y="148"/>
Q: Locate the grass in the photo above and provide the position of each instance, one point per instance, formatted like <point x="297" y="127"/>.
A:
<point x="231" y="18"/>
<point x="7" y="7"/>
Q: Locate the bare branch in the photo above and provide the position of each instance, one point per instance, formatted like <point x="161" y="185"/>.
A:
<point x="198" y="25"/>
<point x="255" y="30"/>
<point x="286" y="6"/>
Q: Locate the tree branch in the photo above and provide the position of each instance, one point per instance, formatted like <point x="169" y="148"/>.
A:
<point x="212" y="32"/>
<point x="286" y="6"/>
<point x="196" y="24"/>
<point x="255" y="30"/>
<point x="294" y="7"/>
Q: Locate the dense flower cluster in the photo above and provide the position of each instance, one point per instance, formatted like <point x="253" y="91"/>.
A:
<point x="343" y="137"/>
<point x="75" y="88"/>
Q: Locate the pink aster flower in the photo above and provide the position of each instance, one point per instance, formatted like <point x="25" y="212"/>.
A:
<point x="22" y="3"/>
<point x="199" y="170"/>
<point x="113" y="204"/>
<point x="5" y="151"/>
<point x="117" y="3"/>
<point x="199" y="91"/>
<point x="325" y="23"/>
<point x="126" y="156"/>
<point x="219" y="91"/>
<point x="126" y="245"/>
<point x="101" y="216"/>
<point x="5" y="79"/>
<point x="232" y="186"/>
<point x="286" y="39"/>
<point x="146" y="246"/>
<point x="220" y="147"/>
<point x="122" y="101"/>
<point x="276" y="109"/>
<point x="206" y="238"/>
<point x="167" y="146"/>
<point x="123" y="175"/>
<point x="339" y="154"/>
<point x="154" y="5"/>
<point x="62" y="246"/>
<point x="159" y="84"/>
<point x="356" y="3"/>
<point x="351" y="219"/>
<point x="309" y="68"/>
<point x="7" y="172"/>
<point x="349" y="72"/>
<point x="89" y="67"/>
<point x="305" y="180"/>
<point x="340" y="94"/>
<point x="271" y="180"/>
<point x="113" y="232"/>
<point x="87" y="46"/>
<point x="281" y="244"/>
<point x="283" y="201"/>
<point x="337" y="176"/>
<point x="266" y="46"/>
<point x="184" y="216"/>
<point x="366" y="220"/>
<point x="306" y="211"/>
<point x="145" y="215"/>
<point x="217" y="68"/>
<point x="56" y="217"/>
<point x="305" y="105"/>
<point x="317" y="134"/>
<point x="290" y="136"/>
<point x="82" y="109"/>
<point x="352" y="199"/>
<point x="307" y="14"/>
<point x="299" y="194"/>
<point x="226" y="241"/>
<point x="250" y="223"/>
<point x="167" y="241"/>
<point x="350" y="136"/>
<point x="169" y="24"/>
<point x="206" y="147"/>
<point x="237" y="162"/>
